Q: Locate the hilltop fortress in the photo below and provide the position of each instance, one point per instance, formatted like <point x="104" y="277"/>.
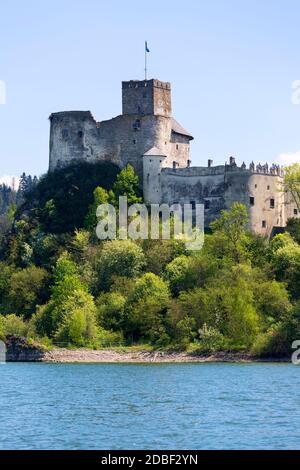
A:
<point x="158" y="147"/>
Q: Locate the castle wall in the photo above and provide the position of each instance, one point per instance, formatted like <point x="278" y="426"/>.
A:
<point x="122" y="140"/>
<point x="195" y="184"/>
<point x="73" y="135"/>
<point x="266" y="206"/>
<point x="219" y="187"/>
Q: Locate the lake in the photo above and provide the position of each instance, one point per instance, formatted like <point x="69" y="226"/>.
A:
<point x="159" y="406"/>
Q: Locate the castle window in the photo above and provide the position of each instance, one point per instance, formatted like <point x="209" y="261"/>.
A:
<point x="193" y="204"/>
<point x="206" y="204"/>
<point x="251" y="201"/>
<point x="268" y="187"/>
<point x="137" y="125"/>
<point x="134" y="141"/>
<point x="174" y="165"/>
<point x="295" y="211"/>
<point x="80" y="134"/>
<point x="264" y="224"/>
<point x="272" y="203"/>
<point x="65" y="133"/>
<point x="176" y="146"/>
<point x="255" y="186"/>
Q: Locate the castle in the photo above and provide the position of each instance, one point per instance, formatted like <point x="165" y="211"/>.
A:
<point x="158" y="147"/>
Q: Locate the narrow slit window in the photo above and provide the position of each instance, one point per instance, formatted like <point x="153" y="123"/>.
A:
<point x="193" y="204"/>
<point x="65" y="133"/>
<point x="252" y="201"/>
<point x="272" y="203"/>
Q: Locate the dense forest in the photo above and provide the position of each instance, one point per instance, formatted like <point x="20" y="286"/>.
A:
<point x="10" y="199"/>
<point x="60" y="285"/>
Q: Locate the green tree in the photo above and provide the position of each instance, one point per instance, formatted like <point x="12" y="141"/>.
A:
<point x="6" y="271"/>
<point x="293" y="228"/>
<point x="101" y="196"/>
<point x="111" y="311"/>
<point x="127" y="184"/>
<point x="28" y="288"/>
<point x="272" y="300"/>
<point x="285" y="258"/>
<point x="118" y="258"/>
<point x="291" y="182"/>
<point x="78" y="325"/>
<point x="179" y="275"/>
<point x="146" y="309"/>
<point x="159" y="253"/>
<point x="232" y="225"/>
<point x="226" y="305"/>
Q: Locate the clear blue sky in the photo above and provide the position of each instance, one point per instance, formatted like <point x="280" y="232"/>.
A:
<point x="231" y="64"/>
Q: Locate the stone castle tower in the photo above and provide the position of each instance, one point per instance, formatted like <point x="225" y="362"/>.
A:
<point x="146" y="122"/>
<point x="158" y="147"/>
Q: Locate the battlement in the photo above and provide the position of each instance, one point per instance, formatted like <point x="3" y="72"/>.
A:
<point x="146" y="83"/>
<point x="146" y="97"/>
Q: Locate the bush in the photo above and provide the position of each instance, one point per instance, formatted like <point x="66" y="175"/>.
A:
<point x="210" y="339"/>
<point x="14" y="325"/>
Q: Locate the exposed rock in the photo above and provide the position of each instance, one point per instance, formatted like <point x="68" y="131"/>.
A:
<point x="19" y="350"/>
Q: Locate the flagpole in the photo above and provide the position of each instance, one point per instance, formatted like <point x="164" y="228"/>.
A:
<point x="145" y="60"/>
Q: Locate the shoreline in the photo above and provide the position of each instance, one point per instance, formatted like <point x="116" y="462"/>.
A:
<point x="139" y="357"/>
<point x="111" y="356"/>
<point x="19" y="350"/>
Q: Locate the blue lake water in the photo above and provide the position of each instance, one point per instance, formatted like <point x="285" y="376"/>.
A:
<point x="168" y="406"/>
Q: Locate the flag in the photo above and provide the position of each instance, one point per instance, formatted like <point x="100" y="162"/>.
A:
<point x="146" y="47"/>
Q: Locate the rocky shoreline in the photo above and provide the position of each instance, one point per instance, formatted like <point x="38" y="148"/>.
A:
<point x="113" y="356"/>
<point x="18" y="350"/>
